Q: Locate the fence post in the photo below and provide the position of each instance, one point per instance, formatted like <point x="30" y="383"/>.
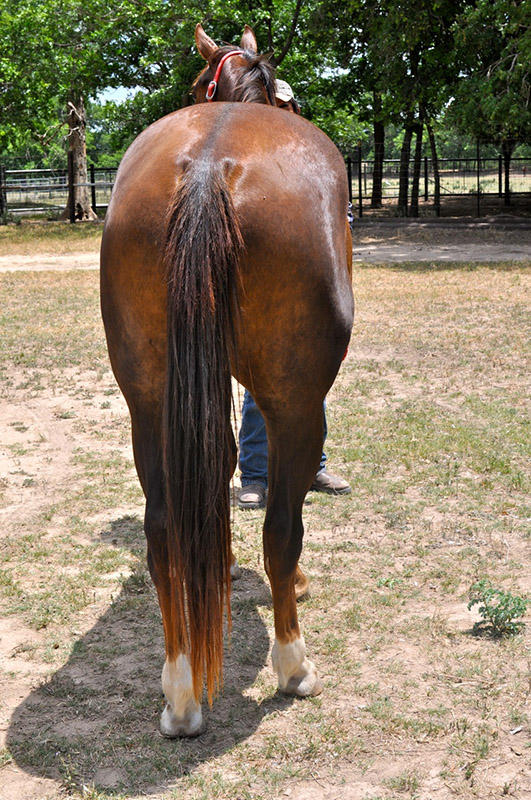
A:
<point x="349" y="173"/>
<point x="500" y="176"/>
<point x="426" y="178"/>
<point x="3" y="193"/>
<point x="360" y="185"/>
<point x="93" y="186"/>
<point x="71" y="198"/>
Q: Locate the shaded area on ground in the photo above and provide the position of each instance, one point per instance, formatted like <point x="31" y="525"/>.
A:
<point x="110" y="688"/>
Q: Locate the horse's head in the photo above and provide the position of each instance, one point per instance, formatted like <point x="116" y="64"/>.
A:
<point x="233" y="73"/>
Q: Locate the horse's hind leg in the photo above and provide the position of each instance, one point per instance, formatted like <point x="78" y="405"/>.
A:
<point x="295" y="446"/>
<point x="182" y="714"/>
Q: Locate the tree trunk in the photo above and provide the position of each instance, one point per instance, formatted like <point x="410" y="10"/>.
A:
<point x="3" y="195"/>
<point x="379" y="151"/>
<point x="507" y="150"/>
<point x="77" y="145"/>
<point x="435" y="166"/>
<point x="414" y="211"/>
<point x="404" y="172"/>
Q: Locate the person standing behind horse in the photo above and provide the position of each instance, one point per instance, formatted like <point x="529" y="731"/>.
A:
<point x="253" y="435"/>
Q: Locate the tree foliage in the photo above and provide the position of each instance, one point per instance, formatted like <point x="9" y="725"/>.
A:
<point x="51" y="49"/>
<point x="357" y="66"/>
<point x="493" y="97"/>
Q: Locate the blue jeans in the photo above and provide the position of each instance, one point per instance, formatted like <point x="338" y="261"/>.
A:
<point x="253" y="444"/>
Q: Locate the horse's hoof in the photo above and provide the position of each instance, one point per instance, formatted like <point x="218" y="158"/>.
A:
<point x="296" y="673"/>
<point x="306" y="683"/>
<point x="309" y="686"/>
<point x="171" y="727"/>
<point x="302" y="585"/>
<point x="302" y="591"/>
<point x="235" y="571"/>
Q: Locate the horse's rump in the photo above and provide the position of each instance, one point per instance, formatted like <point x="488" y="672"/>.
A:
<point x="288" y="186"/>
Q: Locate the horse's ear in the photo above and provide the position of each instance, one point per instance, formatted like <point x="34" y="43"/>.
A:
<point x="248" y="41"/>
<point x="205" y="44"/>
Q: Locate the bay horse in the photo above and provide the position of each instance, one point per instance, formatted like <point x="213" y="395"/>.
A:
<point x="225" y="251"/>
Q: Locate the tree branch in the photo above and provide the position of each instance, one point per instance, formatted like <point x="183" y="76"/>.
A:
<point x="287" y="44"/>
<point x="269" y="35"/>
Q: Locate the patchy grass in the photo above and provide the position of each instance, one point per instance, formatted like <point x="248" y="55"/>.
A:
<point x="429" y="420"/>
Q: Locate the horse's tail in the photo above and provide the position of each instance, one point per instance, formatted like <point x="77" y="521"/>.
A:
<point x="202" y="249"/>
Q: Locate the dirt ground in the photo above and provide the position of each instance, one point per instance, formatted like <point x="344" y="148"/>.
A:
<point x="373" y="241"/>
<point x="39" y="444"/>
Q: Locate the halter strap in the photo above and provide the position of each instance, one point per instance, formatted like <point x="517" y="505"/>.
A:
<point x="213" y="85"/>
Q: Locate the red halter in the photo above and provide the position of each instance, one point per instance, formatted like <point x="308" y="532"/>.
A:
<point x="213" y="85"/>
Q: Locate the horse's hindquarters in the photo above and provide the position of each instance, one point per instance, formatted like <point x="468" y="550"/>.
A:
<point x="278" y="182"/>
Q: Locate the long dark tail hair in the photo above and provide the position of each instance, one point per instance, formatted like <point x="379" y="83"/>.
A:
<point x="202" y="249"/>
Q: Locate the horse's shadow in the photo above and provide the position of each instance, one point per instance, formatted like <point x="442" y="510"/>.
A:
<point x="95" y="721"/>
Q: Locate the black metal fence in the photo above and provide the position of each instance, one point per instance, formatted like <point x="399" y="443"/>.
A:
<point x="459" y="177"/>
<point x="49" y="191"/>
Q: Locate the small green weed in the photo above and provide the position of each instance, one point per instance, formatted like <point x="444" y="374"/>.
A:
<point x="389" y="583"/>
<point x="501" y="611"/>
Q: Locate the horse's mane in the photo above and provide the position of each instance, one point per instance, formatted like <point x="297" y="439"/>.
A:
<point x="250" y="83"/>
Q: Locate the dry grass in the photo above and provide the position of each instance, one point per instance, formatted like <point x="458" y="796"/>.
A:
<point x="31" y="238"/>
<point x="428" y="419"/>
